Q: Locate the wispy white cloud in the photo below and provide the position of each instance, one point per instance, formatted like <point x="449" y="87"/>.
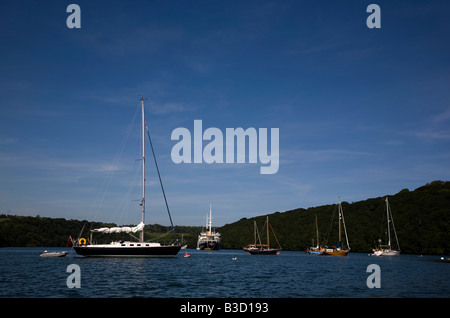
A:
<point x="431" y="128"/>
<point x="47" y="168"/>
<point x="321" y="155"/>
<point x="431" y="134"/>
<point x="157" y="99"/>
<point x="7" y="140"/>
<point x="444" y="116"/>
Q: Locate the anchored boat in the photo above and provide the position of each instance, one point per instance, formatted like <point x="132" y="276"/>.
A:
<point x="263" y="249"/>
<point x="209" y="239"/>
<point x="53" y="254"/>
<point x="131" y="248"/>
<point x="315" y="249"/>
<point x="339" y="249"/>
<point x="387" y="250"/>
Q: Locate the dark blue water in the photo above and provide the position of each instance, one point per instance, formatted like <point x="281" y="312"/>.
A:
<point x="214" y="274"/>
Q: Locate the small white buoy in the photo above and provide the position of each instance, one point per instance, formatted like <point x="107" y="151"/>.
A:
<point x="234" y="258"/>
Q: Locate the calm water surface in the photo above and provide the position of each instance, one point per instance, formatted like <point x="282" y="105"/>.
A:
<point x="214" y="274"/>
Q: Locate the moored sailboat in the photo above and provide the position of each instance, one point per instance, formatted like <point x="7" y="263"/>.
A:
<point x="387" y="250"/>
<point x="339" y="249"/>
<point x="130" y="248"/>
<point x="263" y="249"/>
<point x="315" y="249"/>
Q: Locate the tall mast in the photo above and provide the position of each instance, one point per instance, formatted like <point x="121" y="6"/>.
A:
<point x="317" y="232"/>
<point x="339" y="208"/>
<point x="254" y="230"/>
<point x="388" y="221"/>
<point x="210" y="218"/>
<point x="143" y="169"/>
<point x="268" y="246"/>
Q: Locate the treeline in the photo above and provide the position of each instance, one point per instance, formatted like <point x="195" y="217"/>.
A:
<point x="422" y="221"/>
<point x="31" y="231"/>
<point x="421" y="218"/>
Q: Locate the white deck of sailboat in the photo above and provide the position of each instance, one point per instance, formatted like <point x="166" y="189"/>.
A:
<point x="124" y="244"/>
<point x="206" y="236"/>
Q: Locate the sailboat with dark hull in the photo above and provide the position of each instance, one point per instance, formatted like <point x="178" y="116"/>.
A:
<point x="128" y="249"/>
<point x="209" y="239"/>
<point x="263" y="249"/>
<point x="131" y="248"/>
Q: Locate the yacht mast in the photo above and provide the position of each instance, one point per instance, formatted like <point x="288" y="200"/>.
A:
<point x="210" y="218"/>
<point x="143" y="169"/>
<point x="254" y="230"/>
<point x="317" y="232"/>
<point x="339" y="218"/>
<point x="388" y="221"/>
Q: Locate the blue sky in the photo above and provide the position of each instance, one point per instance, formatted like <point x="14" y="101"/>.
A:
<point x="361" y="112"/>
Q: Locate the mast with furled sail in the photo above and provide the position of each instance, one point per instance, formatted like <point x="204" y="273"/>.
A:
<point x="143" y="171"/>
<point x="127" y="248"/>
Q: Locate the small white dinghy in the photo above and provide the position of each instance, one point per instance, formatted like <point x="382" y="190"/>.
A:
<point x="53" y="254"/>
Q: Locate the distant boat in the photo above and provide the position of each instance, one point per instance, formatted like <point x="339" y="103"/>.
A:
<point x="339" y="249"/>
<point x="130" y="248"/>
<point x="53" y="254"/>
<point x="209" y="239"/>
<point x="315" y="249"/>
<point x="386" y="250"/>
<point x="446" y="260"/>
<point x="183" y="247"/>
<point x="262" y="249"/>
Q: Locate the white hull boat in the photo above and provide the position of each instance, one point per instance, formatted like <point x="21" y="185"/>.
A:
<point x="53" y="254"/>
<point x="386" y="250"/>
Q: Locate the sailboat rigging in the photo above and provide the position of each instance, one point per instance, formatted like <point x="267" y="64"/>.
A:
<point x="315" y="249"/>
<point x="263" y="249"/>
<point x="339" y="249"/>
<point x="386" y="250"/>
<point x="127" y="248"/>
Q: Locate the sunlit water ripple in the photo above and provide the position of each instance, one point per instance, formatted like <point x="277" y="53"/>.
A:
<point x="214" y="274"/>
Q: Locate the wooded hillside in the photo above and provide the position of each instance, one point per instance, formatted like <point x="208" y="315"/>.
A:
<point x="421" y="217"/>
<point x="422" y="221"/>
<point x="43" y="231"/>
